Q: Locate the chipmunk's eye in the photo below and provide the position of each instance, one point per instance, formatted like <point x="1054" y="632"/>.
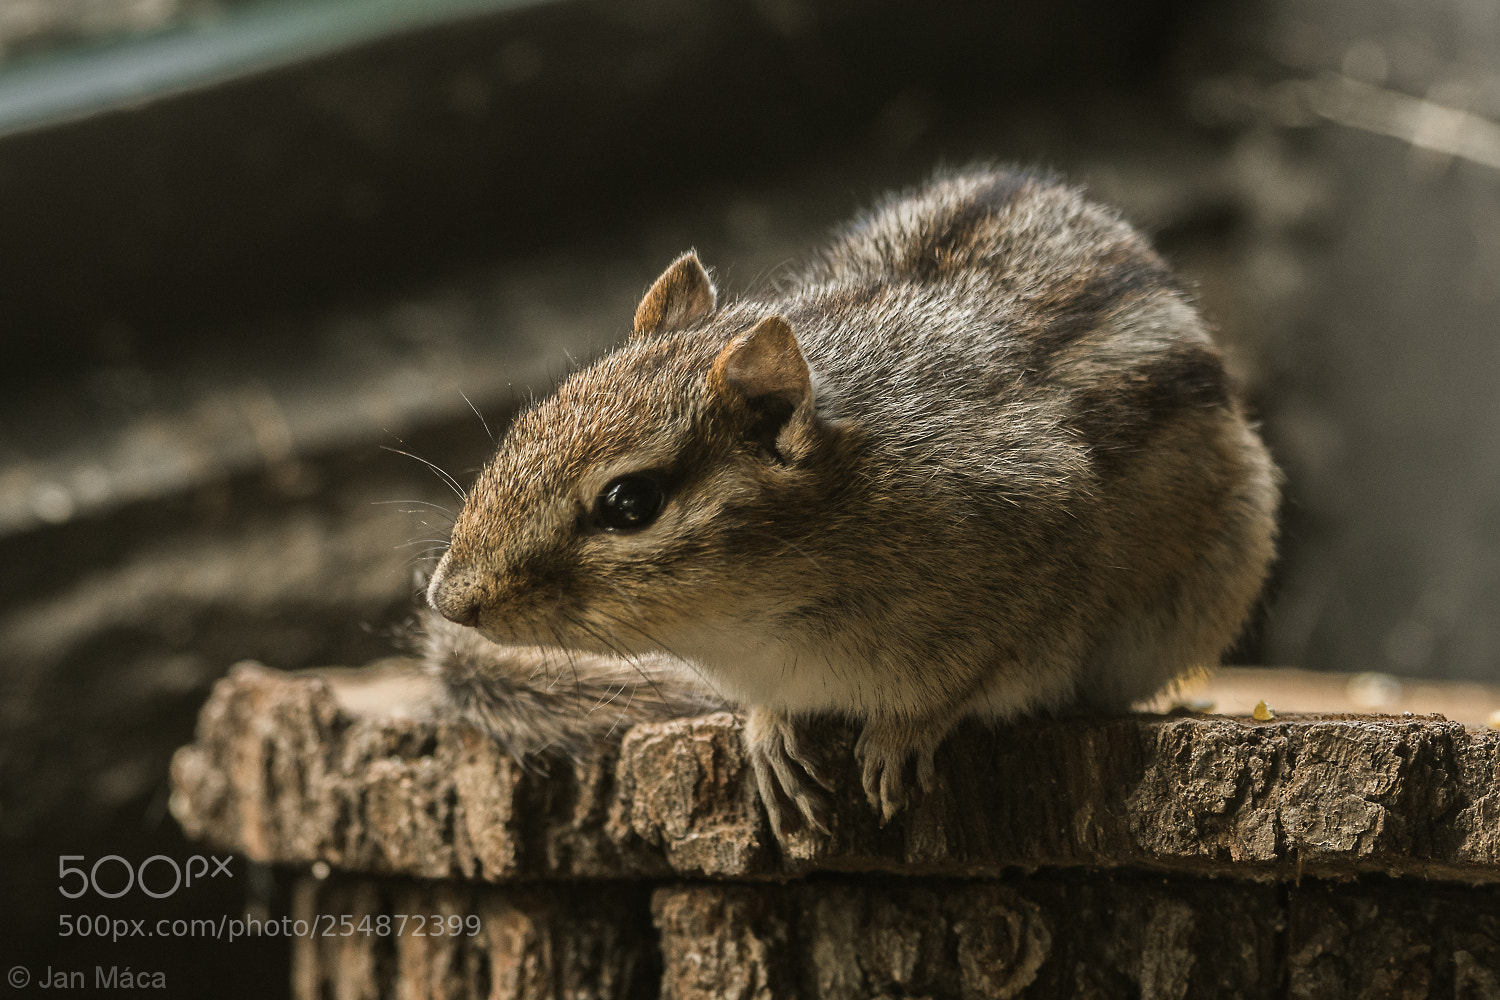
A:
<point x="630" y="502"/>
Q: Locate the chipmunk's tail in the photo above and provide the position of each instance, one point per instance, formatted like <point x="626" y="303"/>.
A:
<point x="536" y="701"/>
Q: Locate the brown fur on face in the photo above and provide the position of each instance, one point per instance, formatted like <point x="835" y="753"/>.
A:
<point x="981" y="457"/>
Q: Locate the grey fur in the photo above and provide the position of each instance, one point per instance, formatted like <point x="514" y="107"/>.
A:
<point x="537" y="702"/>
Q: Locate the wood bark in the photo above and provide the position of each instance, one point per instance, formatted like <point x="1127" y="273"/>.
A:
<point x="1153" y="857"/>
<point x="282" y="773"/>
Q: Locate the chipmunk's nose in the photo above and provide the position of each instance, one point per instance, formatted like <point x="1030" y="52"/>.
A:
<point x="455" y="594"/>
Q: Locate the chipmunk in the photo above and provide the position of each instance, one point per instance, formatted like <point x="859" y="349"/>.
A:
<point x="979" y="458"/>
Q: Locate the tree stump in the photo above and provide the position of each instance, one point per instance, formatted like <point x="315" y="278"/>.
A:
<point x="1135" y="856"/>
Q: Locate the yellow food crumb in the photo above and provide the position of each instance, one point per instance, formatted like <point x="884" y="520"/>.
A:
<point x="1263" y="712"/>
<point x="1494" y="719"/>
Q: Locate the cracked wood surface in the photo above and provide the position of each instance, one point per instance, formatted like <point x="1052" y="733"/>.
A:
<point x="297" y="768"/>
<point x="1048" y="936"/>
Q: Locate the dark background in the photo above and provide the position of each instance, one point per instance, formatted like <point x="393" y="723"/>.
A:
<point x="219" y="298"/>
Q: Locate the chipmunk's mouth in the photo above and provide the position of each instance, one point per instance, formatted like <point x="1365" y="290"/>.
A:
<point x="500" y="638"/>
<point x="509" y="629"/>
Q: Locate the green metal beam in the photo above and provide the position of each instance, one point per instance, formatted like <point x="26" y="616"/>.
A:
<point x="91" y="79"/>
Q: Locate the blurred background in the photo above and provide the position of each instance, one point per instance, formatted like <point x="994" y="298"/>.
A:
<point x="247" y="246"/>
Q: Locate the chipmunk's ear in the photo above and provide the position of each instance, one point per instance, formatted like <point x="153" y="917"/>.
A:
<point x="764" y="366"/>
<point x="682" y="296"/>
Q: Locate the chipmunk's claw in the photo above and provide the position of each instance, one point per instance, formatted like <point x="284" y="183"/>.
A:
<point x="795" y="787"/>
<point x="882" y="752"/>
<point x="792" y="785"/>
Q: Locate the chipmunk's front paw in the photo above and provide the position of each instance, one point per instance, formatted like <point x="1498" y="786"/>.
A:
<point x="792" y="785"/>
<point x="882" y="752"/>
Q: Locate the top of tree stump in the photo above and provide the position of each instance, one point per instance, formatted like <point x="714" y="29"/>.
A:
<point x="299" y="768"/>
